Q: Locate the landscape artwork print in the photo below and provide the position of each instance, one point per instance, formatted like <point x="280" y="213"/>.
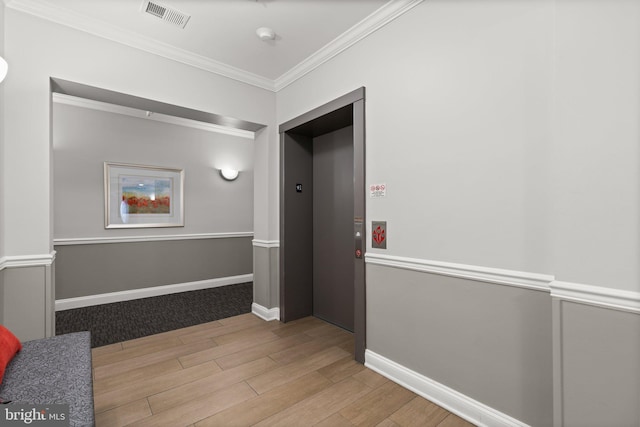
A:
<point x="139" y="196"/>
<point x="144" y="195"/>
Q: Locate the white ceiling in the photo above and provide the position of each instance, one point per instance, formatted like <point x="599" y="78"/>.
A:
<point x="221" y="34"/>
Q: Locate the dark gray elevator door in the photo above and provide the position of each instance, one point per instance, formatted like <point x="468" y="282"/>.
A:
<point x="333" y="195"/>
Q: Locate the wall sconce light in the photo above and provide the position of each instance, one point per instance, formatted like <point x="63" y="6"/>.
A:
<point x="229" y="174"/>
<point x="3" y="68"/>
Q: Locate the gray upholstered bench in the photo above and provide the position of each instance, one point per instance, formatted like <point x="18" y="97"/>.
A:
<point x="53" y="370"/>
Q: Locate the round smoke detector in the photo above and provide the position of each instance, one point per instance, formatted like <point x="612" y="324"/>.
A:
<point x="266" y="33"/>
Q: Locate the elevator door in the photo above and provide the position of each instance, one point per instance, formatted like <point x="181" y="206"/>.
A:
<point x="322" y="212"/>
<point x="333" y="194"/>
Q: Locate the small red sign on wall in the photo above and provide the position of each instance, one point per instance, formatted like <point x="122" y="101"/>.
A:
<point x="379" y="234"/>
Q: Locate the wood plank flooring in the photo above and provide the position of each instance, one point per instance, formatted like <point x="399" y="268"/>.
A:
<point x="243" y="371"/>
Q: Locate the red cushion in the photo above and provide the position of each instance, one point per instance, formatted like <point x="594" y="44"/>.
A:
<point x="9" y="346"/>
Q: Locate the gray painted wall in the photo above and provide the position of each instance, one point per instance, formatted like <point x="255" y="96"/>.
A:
<point x="84" y="139"/>
<point x="26" y="155"/>
<point x="83" y="270"/>
<point x="512" y="144"/>
<point x="261" y="277"/>
<point x="22" y="289"/>
<point x="490" y="342"/>
<point x="265" y="276"/>
<point x="600" y="365"/>
<point x="473" y="83"/>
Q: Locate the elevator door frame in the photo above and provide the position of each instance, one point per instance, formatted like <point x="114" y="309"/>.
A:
<point x="316" y="122"/>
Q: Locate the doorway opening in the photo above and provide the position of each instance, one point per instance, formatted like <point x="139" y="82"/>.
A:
<point x="322" y="208"/>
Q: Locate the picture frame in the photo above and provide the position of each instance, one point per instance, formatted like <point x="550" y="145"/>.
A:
<point x="138" y="196"/>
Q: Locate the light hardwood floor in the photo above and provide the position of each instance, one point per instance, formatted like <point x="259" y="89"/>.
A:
<point x="243" y="371"/>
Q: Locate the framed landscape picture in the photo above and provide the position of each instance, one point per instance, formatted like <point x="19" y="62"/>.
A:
<point x="139" y="196"/>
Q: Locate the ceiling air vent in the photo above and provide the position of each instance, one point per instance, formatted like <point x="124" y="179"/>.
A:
<point x="167" y="14"/>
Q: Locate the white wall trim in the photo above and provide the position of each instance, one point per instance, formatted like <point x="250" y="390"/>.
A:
<point x="59" y="15"/>
<point x="46" y="10"/>
<point x="266" y="243"/>
<point x="90" y="300"/>
<point x="134" y="239"/>
<point x="520" y="279"/>
<point x="376" y="20"/>
<point x="453" y="401"/>
<point x="595" y="295"/>
<point x="264" y="313"/>
<point x="40" y="260"/>
<point x="74" y="101"/>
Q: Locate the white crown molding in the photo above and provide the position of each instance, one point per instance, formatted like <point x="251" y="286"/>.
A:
<point x="264" y="313"/>
<point x="111" y="297"/>
<point x="379" y="18"/>
<point x="136" y="239"/>
<point x="75" y="101"/>
<point x="596" y="295"/>
<point x="41" y="260"/>
<point x="50" y="12"/>
<point x="376" y="20"/>
<point x="266" y="243"/>
<point x="520" y="279"/>
<point x="462" y="405"/>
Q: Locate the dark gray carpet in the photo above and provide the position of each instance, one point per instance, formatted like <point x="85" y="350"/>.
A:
<point x="121" y="321"/>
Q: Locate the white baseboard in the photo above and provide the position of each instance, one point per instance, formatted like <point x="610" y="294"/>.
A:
<point x="453" y="401"/>
<point x="264" y="313"/>
<point x="70" y="303"/>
